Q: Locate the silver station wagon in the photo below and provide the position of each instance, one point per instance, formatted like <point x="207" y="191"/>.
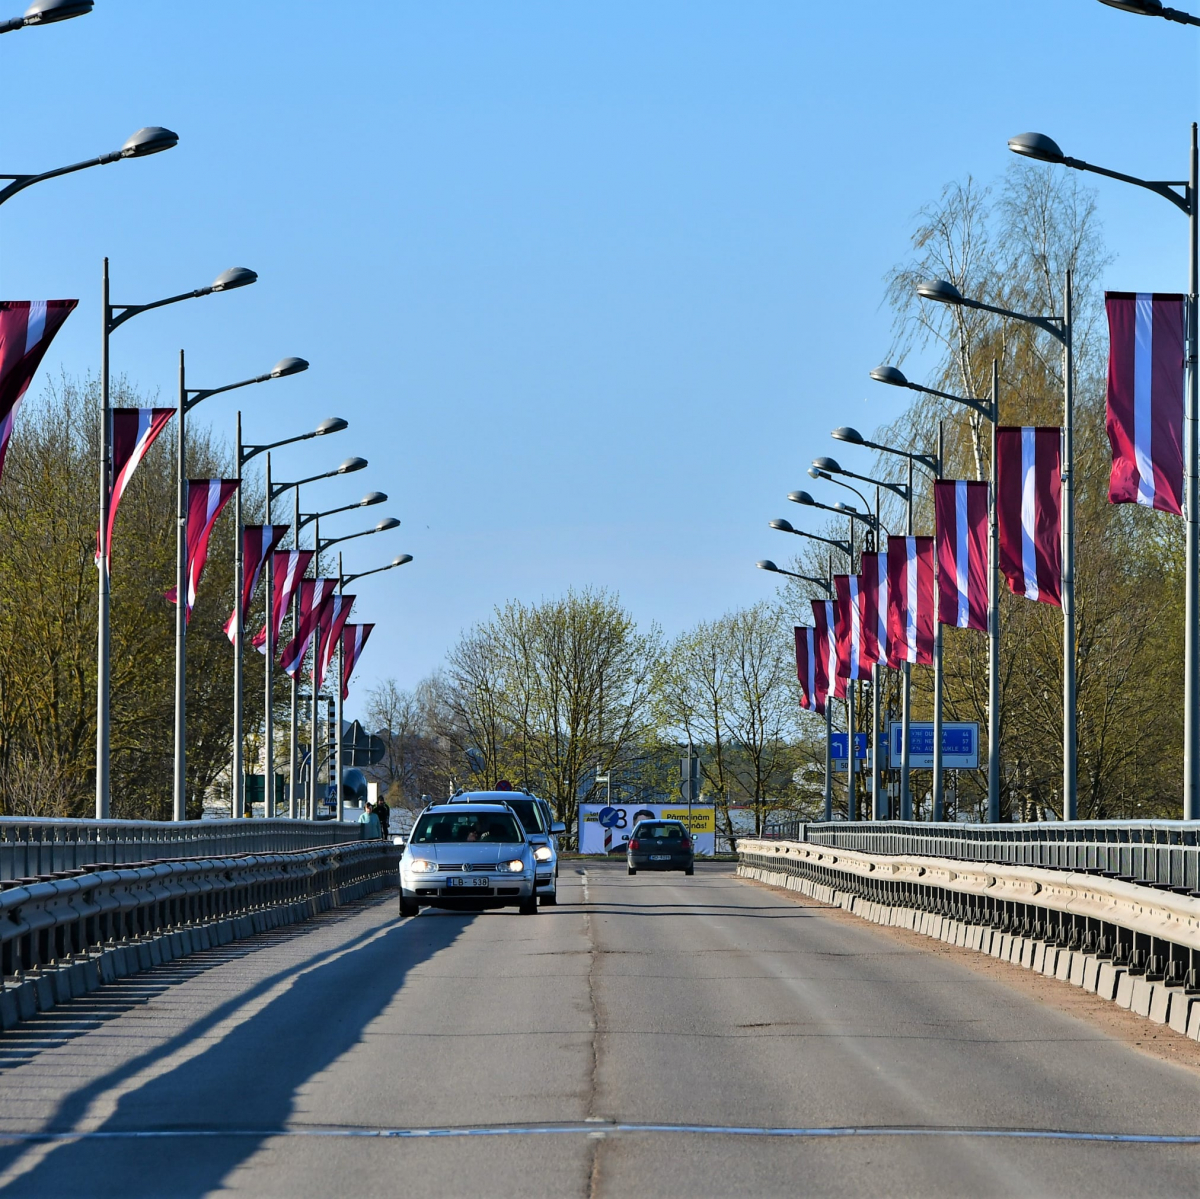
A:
<point x="468" y="857"/>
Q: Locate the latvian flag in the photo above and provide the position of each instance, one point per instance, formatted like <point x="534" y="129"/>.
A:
<point x="205" y="499"/>
<point x="910" y="600"/>
<point x="315" y="595"/>
<point x="873" y="573"/>
<point x="1145" y="399"/>
<point x="27" y="327"/>
<point x="960" y="512"/>
<point x="257" y="543"/>
<point x="806" y="669"/>
<point x="131" y="433"/>
<point x="332" y="623"/>
<point x="354" y="638"/>
<point x="824" y="634"/>
<point x="289" y="567"/>
<point x="852" y="662"/>
<point x="1029" y="510"/>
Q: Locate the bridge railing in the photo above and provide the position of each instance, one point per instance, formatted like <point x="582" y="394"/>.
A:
<point x="33" y="847"/>
<point x="1161" y="853"/>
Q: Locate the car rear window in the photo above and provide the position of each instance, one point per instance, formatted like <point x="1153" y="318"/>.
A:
<point x="458" y="827"/>
<point x="659" y="830"/>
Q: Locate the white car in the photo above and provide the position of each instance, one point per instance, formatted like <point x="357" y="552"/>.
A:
<point x="468" y="857"/>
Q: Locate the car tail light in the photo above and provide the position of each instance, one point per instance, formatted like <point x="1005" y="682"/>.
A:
<point x="633" y="844"/>
<point x="686" y="845"/>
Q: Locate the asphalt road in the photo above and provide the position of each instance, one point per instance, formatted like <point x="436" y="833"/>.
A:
<point x="271" y="1067"/>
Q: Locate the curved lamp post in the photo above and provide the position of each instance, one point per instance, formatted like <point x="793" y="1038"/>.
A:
<point x="767" y="564"/>
<point x="785" y="526"/>
<point x="189" y="397"/>
<point x="114" y="316"/>
<point x="1152" y="8"/>
<point x="47" y="12"/>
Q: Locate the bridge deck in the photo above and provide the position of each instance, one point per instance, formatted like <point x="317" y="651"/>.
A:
<point x="652" y="1000"/>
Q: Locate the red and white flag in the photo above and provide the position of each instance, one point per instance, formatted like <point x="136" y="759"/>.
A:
<point x="910" y="600"/>
<point x="131" y="433"/>
<point x="336" y="612"/>
<point x="205" y="499"/>
<point x="873" y="575"/>
<point x="806" y="669"/>
<point x="354" y="638"/>
<point x="1029" y="510"/>
<point x="1145" y="398"/>
<point x="27" y="327"/>
<point x="257" y="543"/>
<point x="824" y="634"/>
<point x="852" y="662"/>
<point x="288" y="567"/>
<point x="960" y="512"/>
<point x="315" y="595"/>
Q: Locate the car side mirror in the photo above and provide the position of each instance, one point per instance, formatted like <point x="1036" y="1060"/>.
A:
<point x="558" y="827"/>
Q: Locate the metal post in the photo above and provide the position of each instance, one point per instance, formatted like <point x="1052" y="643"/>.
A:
<point x="1070" y="742"/>
<point x="878" y="797"/>
<point x="906" y="804"/>
<point x="180" y="786"/>
<point x="1191" y="505"/>
<point x="294" y="749"/>
<point x="103" y="631"/>
<point x="268" y="681"/>
<point x="337" y="724"/>
<point x="851" y="806"/>
<point x="994" y="617"/>
<point x="829" y="755"/>
<point x="316" y="727"/>
<point x="237" y="772"/>
<point x="939" y="795"/>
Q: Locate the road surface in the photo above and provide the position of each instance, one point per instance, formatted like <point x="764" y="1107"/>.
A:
<point x="298" y="1063"/>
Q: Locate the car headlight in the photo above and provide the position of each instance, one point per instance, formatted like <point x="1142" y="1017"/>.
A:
<point x="543" y="853"/>
<point x="420" y="866"/>
<point x="516" y="865"/>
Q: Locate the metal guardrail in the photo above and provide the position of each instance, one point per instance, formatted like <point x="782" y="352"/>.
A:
<point x="1159" y="853"/>
<point x="32" y="847"/>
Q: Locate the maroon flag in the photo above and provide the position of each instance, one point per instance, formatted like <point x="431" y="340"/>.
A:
<point x="910" y="600"/>
<point x="1029" y="510"/>
<point x="824" y="620"/>
<point x="205" y="499"/>
<point x="1145" y="398"/>
<point x="257" y="543"/>
<point x="354" y="637"/>
<point x="314" y="598"/>
<point x="806" y="669"/>
<point x="961" y="523"/>
<point x="336" y="612"/>
<point x="288" y="568"/>
<point x="852" y="662"/>
<point x="131" y="433"/>
<point x="27" y="327"/>
<point x="873" y="573"/>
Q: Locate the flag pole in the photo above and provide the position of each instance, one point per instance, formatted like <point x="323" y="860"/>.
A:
<point x="294" y="809"/>
<point x="268" y="681"/>
<point x="1191" y="690"/>
<point x="103" y="616"/>
<point x="993" y="785"/>
<point x="851" y="806"/>
<point x="237" y="775"/>
<point x="179" y="788"/>
<point x="906" y="805"/>
<point x="939" y="797"/>
<point x="1067" y="475"/>
<point x="337" y="727"/>
<point x="830" y="687"/>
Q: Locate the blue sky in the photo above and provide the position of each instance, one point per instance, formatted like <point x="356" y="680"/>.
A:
<point x="591" y="282"/>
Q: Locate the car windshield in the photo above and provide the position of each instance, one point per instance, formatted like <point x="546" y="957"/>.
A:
<point x="660" y="831"/>
<point x="529" y="812"/>
<point x="459" y="827"/>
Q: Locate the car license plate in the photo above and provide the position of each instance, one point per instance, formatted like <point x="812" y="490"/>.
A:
<point x="473" y="880"/>
<point x="660" y="857"/>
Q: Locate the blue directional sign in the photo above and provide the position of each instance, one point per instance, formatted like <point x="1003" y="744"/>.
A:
<point x="960" y="744"/>
<point x="837" y="750"/>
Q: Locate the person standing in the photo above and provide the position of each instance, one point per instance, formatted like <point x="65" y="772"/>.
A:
<point x="371" y="820"/>
<point x="385" y="815"/>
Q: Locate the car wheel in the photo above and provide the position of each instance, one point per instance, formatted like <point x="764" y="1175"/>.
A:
<point x="632" y="871"/>
<point x="528" y="907"/>
<point x="408" y="907"/>
<point x="690" y="870"/>
<point x="548" y="901"/>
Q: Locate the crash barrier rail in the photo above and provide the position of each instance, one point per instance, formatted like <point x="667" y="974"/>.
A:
<point x="64" y="936"/>
<point x="31" y="847"/>
<point x="1159" y="853"/>
<point x="1113" y="928"/>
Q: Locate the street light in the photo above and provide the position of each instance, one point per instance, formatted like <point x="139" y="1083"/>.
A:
<point x="1152" y="8"/>
<point x="114" y="316"/>
<point x="189" y="397"/>
<point x="151" y="140"/>
<point x="48" y="12"/>
<point x="399" y="560"/>
<point x="767" y="564"/>
<point x="1046" y="149"/>
<point x="244" y="454"/>
<point x="785" y="526"/>
<point x="830" y="466"/>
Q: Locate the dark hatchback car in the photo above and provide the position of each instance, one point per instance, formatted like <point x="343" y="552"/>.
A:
<point x="660" y="845"/>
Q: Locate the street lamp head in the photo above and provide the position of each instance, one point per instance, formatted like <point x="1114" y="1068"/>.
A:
<point x="847" y="434"/>
<point x="351" y="465"/>
<point x="236" y="276"/>
<point x="46" y="12"/>
<point x="848" y="509"/>
<point x="334" y="424"/>
<point x="814" y="473"/>
<point x="1038" y="145"/>
<point x="767" y="564"/>
<point x="288" y="366"/>
<point x="889" y="374"/>
<point x="940" y="290"/>
<point x="783" y="526"/>
<point x="388" y="522"/>
<point x="801" y="497"/>
<point x="151" y="140"/>
<point x="402" y="560"/>
<point x="372" y="498"/>
<point x="1143" y="8"/>
<point x="829" y="464"/>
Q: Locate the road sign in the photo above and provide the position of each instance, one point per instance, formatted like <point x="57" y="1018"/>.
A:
<point x="960" y="744"/>
<point x="837" y="750"/>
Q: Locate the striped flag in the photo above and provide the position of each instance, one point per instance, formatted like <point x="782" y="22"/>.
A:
<point x="910" y="600"/>
<point x="27" y="327"/>
<point x="336" y="612"/>
<point x="824" y="635"/>
<point x="314" y="599"/>
<point x="1029" y="510"/>
<point x="354" y="638"/>
<point x="131" y="433"/>
<point x="1145" y="398"/>
<point x="852" y="662"/>
<point x="873" y="571"/>
<point x="257" y="543"/>
<point x="961" y="526"/>
<point x="288" y="568"/>
<point x="806" y="669"/>
<point x="205" y="499"/>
